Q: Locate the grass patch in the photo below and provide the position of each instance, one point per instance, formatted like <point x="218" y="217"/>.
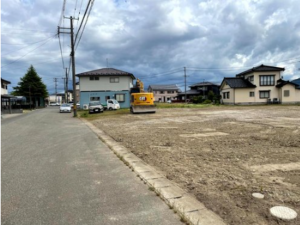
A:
<point x="181" y="105"/>
<point x="85" y="114"/>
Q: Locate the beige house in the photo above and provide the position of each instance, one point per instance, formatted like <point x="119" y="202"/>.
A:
<point x="259" y="85"/>
<point x="164" y="93"/>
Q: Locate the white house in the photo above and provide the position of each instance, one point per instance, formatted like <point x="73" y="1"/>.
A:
<point x="103" y="84"/>
<point x="259" y="85"/>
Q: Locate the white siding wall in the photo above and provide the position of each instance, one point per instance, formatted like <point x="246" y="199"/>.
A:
<point x="103" y="84"/>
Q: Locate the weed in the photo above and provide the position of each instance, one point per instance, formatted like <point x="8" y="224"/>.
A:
<point x="151" y="188"/>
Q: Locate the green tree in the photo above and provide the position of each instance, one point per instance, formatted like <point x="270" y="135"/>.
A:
<point x="32" y="87"/>
<point x="211" y="95"/>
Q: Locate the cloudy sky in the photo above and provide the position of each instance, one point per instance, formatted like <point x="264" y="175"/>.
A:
<point x="153" y="39"/>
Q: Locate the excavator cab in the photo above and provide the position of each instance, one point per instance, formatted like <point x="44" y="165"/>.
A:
<point x="142" y="103"/>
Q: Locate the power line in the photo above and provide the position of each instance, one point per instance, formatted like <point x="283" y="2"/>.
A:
<point x="27" y="52"/>
<point x="62" y="13"/>
<point x="62" y="58"/>
<point x="90" y="9"/>
<point x="27" y="43"/>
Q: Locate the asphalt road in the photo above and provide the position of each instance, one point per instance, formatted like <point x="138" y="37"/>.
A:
<point x="56" y="171"/>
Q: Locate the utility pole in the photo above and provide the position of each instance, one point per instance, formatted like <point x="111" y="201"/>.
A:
<point x="29" y="97"/>
<point x="73" y="68"/>
<point x="73" y="61"/>
<point x="185" y="85"/>
<point x="67" y="94"/>
<point x="55" y="81"/>
<point x="64" y="78"/>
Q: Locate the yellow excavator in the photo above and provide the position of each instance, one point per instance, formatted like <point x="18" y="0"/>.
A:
<point x="141" y="101"/>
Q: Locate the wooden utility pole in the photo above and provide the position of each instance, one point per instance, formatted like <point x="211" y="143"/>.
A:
<point x="55" y="81"/>
<point x="185" y="85"/>
<point x="73" y="68"/>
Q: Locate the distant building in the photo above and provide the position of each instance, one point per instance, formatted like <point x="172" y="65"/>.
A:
<point x="8" y="102"/>
<point x="164" y="93"/>
<point x="200" y="89"/>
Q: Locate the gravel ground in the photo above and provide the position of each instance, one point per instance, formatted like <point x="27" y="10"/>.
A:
<point x="221" y="155"/>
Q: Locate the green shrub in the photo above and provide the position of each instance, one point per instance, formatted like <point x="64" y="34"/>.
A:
<point x="207" y="101"/>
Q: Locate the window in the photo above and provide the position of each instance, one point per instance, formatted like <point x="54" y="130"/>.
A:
<point x="170" y="92"/>
<point x="120" y="97"/>
<point x="251" y="93"/>
<point x="226" y="95"/>
<point x="94" y="78"/>
<point x="161" y="92"/>
<point x="107" y="97"/>
<point x="251" y="78"/>
<point x="114" y="80"/>
<point x="286" y="93"/>
<point x="264" y="94"/>
<point x="95" y="99"/>
<point x="267" y="80"/>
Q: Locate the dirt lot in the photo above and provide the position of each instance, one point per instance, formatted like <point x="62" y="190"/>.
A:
<point x="221" y="155"/>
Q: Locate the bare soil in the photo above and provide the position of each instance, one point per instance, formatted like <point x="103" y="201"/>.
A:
<point x="221" y="155"/>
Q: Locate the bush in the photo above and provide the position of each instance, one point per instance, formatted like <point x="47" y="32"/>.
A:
<point x="207" y="101"/>
<point x="197" y="99"/>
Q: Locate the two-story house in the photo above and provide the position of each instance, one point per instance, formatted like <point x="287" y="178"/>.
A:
<point x="200" y="89"/>
<point x="103" y="84"/>
<point x="164" y="93"/>
<point x="259" y="85"/>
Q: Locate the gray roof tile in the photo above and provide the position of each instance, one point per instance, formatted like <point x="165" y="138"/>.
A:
<point x="261" y="68"/>
<point x="105" y="72"/>
<point x="234" y="82"/>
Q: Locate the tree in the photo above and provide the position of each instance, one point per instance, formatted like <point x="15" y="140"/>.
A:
<point x="31" y="86"/>
<point x="211" y="95"/>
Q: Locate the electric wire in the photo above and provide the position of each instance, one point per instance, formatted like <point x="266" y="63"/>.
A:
<point x="86" y="10"/>
<point x="91" y="6"/>
<point x="28" y="52"/>
<point x="62" y="58"/>
<point x="62" y="13"/>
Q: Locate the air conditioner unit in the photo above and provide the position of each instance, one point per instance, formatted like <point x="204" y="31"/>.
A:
<point x="85" y="106"/>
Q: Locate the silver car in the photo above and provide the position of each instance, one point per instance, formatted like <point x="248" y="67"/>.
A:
<point x="95" y="107"/>
<point x="65" y="108"/>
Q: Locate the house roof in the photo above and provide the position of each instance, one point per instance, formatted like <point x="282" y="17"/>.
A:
<point x="165" y="87"/>
<point x="297" y="81"/>
<point x="283" y="83"/>
<point x="236" y="82"/>
<point x="203" y="84"/>
<point x="6" y="81"/>
<point x="261" y="68"/>
<point x="190" y="92"/>
<point x="105" y="72"/>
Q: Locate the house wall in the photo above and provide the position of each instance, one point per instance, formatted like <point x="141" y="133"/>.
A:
<point x="274" y="91"/>
<point x="4" y="88"/>
<point x="85" y="97"/>
<point x="227" y="88"/>
<point x="103" y="84"/>
<point x="165" y="96"/>
<point x="294" y="94"/>
<point x="54" y="98"/>
<point x="297" y="95"/>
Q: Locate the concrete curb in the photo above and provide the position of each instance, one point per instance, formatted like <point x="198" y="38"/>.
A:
<point x="185" y="205"/>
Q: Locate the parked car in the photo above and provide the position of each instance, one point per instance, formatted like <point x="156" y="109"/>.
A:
<point x="72" y="104"/>
<point x="95" y="107"/>
<point x="111" y="104"/>
<point x="65" y="108"/>
<point x="54" y="104"/>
